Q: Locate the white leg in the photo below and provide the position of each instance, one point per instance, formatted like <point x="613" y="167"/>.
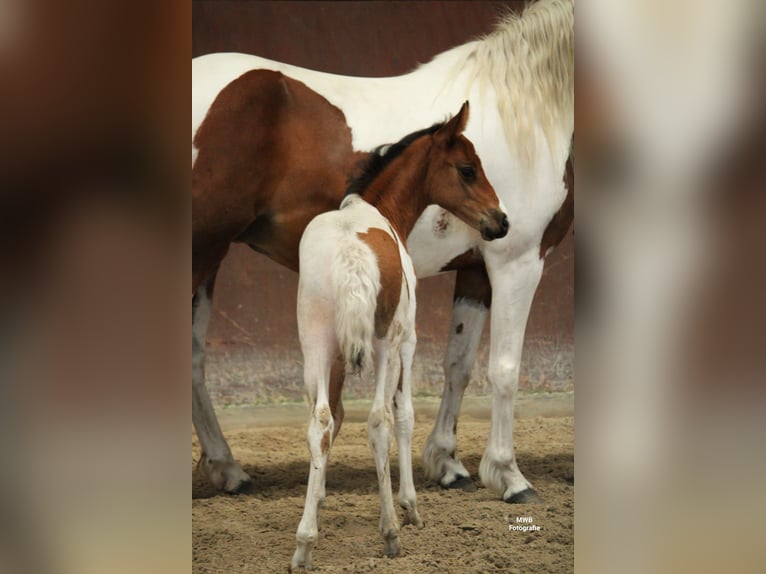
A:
<point x="379" y="427"/>
<point x="404" y="418"/>
<point x="513" y="287"/>
<point x="216" y="460"/>
<point x="469" y="313"/>
<point x="317" y="364"/>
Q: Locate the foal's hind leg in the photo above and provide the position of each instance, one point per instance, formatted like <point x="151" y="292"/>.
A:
<point x="216" y="460"/>
<point x="404" y="418"/>
<point x="337" y="378"/>
<point x="319" y="350"/>
<point x="379" y="428"/>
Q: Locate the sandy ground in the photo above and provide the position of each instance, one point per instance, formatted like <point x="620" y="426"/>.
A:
<point x="466" y="532"/>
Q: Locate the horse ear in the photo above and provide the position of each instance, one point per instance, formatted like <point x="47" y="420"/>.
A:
<point x="453" y="128"/>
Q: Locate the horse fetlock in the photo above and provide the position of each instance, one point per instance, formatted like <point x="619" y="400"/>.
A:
<point x="433" y="460"/>
<point x="441" y="463"/>
<point x="301" y="561"/>
<point x="499" y="473"/>
<point x="412" y="516"/>
<point x="307" y="537"/>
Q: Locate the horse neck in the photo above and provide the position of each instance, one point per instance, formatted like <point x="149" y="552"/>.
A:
<point x="399" y="194"/>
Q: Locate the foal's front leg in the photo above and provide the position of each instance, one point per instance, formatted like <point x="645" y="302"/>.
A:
<point x="379" y="428"/>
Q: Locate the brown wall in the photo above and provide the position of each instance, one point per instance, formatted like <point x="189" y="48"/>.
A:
<point x="255" y="298"/>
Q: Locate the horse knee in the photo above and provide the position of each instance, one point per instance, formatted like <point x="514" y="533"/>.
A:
<point x="504" y="377"/>
<point x="320" y="432"/>
<point x="378" y="425"/>
<point x="404" y="413"/>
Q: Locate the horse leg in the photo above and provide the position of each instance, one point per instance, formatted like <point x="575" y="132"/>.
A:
<point x="404" y="418"/>
<point x="337" y="378"/>
<point x="513" y="287"/>
<point x="216" y="460"/>
<point x="469" y="313"/>
<point x="319" y="350"/>
<point x="379" y="426"/>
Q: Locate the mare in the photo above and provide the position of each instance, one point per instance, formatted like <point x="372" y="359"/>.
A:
<point x="356" y="300"/>
<point x="273" y="145"/>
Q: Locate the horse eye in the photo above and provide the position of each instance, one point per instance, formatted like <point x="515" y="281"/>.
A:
<point x="467" y="172"/>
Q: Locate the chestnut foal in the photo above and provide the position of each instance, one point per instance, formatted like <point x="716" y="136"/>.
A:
<point x="356" y="298"/>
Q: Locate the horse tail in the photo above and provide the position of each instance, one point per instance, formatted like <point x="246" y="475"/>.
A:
<point x="356" y="282"/>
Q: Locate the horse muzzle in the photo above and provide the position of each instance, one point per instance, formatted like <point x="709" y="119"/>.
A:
<point x="495" y="225"/>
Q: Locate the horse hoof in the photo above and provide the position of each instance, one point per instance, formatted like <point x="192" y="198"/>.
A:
<point x="526" y="496"/>
<point x="393" y="547"/>
<point x="226" y="475"/>
<point x="463" y="483"/>
<point x="414" y="519"/>
<point x="243" y="486"/>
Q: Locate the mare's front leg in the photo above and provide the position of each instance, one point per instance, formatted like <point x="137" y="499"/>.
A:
<point x="216" y="460"/>
<point x="379" y="427"/>
<point x="404" y="418"/>
<point x="513" y="287"/>
<point x="469" y="313"/>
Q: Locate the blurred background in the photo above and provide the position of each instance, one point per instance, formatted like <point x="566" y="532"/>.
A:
<point x="253" y="350"/>
<point x="671" y="135"/>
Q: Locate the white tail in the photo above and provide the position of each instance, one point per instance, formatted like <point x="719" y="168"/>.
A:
<point x="356" y="282"/>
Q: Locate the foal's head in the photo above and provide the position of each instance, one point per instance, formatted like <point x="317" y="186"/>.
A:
<point x="455" y="180"/>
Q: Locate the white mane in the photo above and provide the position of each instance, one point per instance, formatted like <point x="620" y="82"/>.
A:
<point x="530" y="58"/>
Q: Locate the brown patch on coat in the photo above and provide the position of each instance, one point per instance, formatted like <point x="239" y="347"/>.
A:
<point x="562" y="220"/>
<point x="337" y="378"/>
<point x="472" y="283"/>
<point x="442" y="224"/>
<point x="390" y="265"/>
<point x="325" y="444"/>
<point x="272" y="155"/>
<point x="471" y="258"/>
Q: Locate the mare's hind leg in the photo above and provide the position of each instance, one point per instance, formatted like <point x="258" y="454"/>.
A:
<point x="216" y="460"/>
<point x="379" y="427"/>
<point x="469" y="313"/>
<point x="404" y="418"/>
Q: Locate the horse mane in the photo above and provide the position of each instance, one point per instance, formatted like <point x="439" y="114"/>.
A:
<point x="381" y="157"/>
<point x="530" y="58"/>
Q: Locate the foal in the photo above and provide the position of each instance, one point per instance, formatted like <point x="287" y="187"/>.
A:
<point x="356" y="298"/>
